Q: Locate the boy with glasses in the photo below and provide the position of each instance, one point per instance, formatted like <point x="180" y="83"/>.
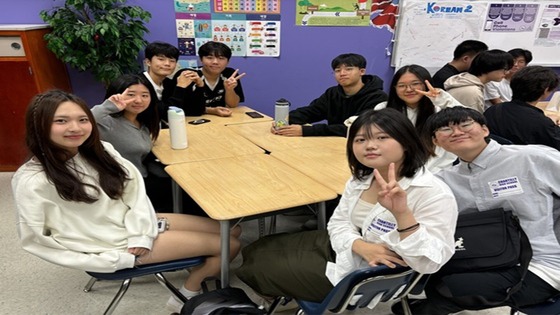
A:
<point x="355" y="92"/>
<point x="478" y="184"/>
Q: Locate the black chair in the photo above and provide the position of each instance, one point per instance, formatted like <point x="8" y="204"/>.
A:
<point x="362" y="287"/>
<point x="126" y="275"/>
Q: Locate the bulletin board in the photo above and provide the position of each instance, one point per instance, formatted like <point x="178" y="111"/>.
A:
<point x="250" y="28"/>
<point x="427" y="32"/>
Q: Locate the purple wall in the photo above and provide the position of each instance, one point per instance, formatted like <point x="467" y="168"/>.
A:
<point x="300" y="74"/>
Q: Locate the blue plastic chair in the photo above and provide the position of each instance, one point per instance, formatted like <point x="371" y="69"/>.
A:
<point x="550" y="307"/>
<point x="126" y="275"/>
<point x="360" y="287"/>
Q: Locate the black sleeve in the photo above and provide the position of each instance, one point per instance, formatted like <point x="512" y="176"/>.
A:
<point x="189" y="99"/>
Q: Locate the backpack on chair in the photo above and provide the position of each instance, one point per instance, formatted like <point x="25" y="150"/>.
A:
<point x="220" y="301"/>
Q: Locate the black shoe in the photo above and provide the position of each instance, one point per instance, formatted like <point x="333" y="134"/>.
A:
<point x="397" y="307"/>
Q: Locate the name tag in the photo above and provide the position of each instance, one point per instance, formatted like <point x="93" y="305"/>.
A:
<point x="380" y="226"/>
<point x="505" y="187"/>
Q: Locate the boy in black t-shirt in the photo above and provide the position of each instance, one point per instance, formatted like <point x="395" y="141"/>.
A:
<point x="215" y="88"/>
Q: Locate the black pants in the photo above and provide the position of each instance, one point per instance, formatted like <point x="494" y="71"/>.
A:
<point x="444" y="293"/>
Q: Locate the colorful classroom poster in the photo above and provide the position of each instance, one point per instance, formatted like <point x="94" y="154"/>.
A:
<point x="247" y="6"/>
<point x="192" y="6"/>
<point x="511" y="17"/>
<point x="548" y="34"/>
<point x="251" y="32"/>
<point x="333" y="13"/>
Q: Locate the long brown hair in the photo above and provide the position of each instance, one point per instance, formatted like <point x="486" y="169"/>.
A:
<point x="54" y="159"/>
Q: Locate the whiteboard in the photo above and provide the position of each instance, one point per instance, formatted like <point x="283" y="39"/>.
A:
<point x="427" y="32"/>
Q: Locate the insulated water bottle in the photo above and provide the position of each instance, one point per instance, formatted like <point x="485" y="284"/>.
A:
<point x="177" y="128"/>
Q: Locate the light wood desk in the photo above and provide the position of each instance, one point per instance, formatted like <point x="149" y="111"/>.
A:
<point x="328" y="166"/>
<point x="205" y="142"/>
<point x="555" y="116"/>
<point x="233" y="188"/>
<point x="259" y="134"/>
<point x="238" y="116"/>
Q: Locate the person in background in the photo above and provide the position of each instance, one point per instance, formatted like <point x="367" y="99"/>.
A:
<point x="392" y="212"/>
<point x="81" y="205"/>
<point x="128" y="119"/>
<point x="161" y="59"/>
<point x="355" y="93"/>
<point x="462" y="58"/>
<point x="468" y="87"/>
<point x="412" y="94"/>
<point x="215" y="88"/>
<point x="522" y="179"/>
<point x="519" y="120"/>
<point x="498" y="92"/>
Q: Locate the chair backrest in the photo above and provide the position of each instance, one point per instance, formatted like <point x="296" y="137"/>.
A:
<point x="369" y="283"/>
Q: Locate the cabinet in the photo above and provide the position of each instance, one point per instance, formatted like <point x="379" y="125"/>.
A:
<point x="27" y="67"/>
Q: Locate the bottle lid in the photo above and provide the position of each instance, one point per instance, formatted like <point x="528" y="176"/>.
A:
<point x="283" y="101"/>
<point x="175" y="111"/>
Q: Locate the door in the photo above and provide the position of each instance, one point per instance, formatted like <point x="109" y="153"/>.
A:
<point x="17" y="88"/>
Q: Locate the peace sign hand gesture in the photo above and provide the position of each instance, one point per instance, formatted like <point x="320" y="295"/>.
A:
<point x="432" y="92"/>
<point x="121" y="100"/>
<point x="231" y="82"/>
<point x="391" y="196"/>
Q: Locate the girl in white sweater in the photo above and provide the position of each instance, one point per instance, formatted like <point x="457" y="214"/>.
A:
<point x="81" y="205"/>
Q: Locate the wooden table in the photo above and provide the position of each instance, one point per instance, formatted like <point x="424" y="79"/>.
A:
<point x="554" y="115"/>
<point x="259" y="134"/>
<point x="327" y="165"/>
<point x="206" y="142"/>
<point x="233" y="188"/>
<point x="238" y="116"/>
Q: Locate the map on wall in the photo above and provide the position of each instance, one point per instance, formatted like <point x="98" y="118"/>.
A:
<point x="246" y="26"/>
<point x="333" y="13"/>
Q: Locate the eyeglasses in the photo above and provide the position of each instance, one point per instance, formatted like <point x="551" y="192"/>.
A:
<point x="448" y="130"/>
<point x="344" y="69"/>
<point x="417" y="85"/>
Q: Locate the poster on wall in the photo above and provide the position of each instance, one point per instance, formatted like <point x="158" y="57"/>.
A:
<point x="247" y="6"/>
<point x="511" y="17"/>
<point x="548" y="34"/>
<point x="249" y="30"/>
<point x="333" y="13"/>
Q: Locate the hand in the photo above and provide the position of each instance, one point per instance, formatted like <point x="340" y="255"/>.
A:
<point x="187" y="77"/>
<point x="432" y="92"/>
<point x="288" y="131"/>
<point x="231" y="82"/>
<point x="138" y="251"/>
<point x="377" y="254"/>
<point x="121" y="100"/>
<point x="391" y="196"/>
<point x="219" y="111"/>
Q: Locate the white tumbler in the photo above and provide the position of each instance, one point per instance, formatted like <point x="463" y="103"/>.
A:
<point x="177" y="128"/>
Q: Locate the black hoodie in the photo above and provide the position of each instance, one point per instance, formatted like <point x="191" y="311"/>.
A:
<point x="335" y="107"/>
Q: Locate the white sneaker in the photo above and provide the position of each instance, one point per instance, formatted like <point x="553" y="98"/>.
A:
<point x="174" y="305"/>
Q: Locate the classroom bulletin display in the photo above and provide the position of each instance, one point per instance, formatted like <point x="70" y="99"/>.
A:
<point x="427" y="32"/>
<point x="249" y="27"/>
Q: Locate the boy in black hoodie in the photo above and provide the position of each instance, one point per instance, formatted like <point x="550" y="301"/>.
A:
<point x="355" y="92"/>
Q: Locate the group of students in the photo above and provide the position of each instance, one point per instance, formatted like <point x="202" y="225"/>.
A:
<point x="82" y="198"/>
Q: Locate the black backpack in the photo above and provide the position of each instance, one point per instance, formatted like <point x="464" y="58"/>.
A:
<point x="220" y="301"/>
